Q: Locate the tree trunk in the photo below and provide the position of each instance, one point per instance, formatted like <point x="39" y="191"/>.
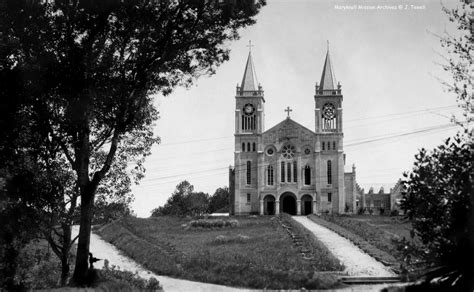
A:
<point x="65" y="253"/>
<point x="82" y="267"/>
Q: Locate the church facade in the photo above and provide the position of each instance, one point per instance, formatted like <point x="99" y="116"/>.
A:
<point x="290" y="168"/>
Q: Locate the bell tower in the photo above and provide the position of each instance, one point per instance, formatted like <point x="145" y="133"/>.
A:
<point x="329" y="141"/>
<point x="249" y="126"/>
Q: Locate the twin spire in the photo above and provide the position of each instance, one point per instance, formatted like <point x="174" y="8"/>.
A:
<point x="250" y="83"/>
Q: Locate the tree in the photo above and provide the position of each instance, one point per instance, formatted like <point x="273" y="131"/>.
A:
<point x="220" y="200"/>
<point x="460" y="60"/>
<point x="439" y="199"/>
<point x="437" y="202"/>
<point x="88" y="69"/>
<point x="183" y="202"/>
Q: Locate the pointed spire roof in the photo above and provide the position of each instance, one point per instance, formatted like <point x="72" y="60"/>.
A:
<point x="249" y="81"/>
<point x="328" y="80"/>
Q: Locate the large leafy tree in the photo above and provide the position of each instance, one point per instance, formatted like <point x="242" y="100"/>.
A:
<point x="88" y="69"/>
<point x="439" y="198"/>
<point x="219" y="200"/>
<point x="437" y="202"/>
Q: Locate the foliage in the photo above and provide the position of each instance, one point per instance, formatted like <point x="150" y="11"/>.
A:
<point x="184" y="202"/>
<point x="219" y="200"/>
<point x="266" y="259"/>
<point x="459" y="46"/>
<point x="86" y="70"/>
<point x="125" y="280"/>
<point x="437" y="201"/>
<point x="38" y="267"/>
<point x="214" y="223"/>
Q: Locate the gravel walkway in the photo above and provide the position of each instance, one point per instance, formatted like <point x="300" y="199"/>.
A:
<point x="105" y="250"/>
<point x="357" y="262"/>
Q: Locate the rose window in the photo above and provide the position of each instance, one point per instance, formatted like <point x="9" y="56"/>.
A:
<point x="288" y="151"/>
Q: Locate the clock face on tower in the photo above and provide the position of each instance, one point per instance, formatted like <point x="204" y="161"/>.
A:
<point x="249" y="109"/>
<point x="329" y="111"/>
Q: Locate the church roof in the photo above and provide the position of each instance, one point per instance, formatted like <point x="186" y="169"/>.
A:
<point x="288" y="122"/>
<point x="249" y="81"/>
<point x="328" y="80"/>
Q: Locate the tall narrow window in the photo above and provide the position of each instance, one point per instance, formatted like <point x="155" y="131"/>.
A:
<point x="282" y="171"/>
<point x="288" y="169"/>
<point x="329" y="172"/>
<point x="248" y="147"/>
<point x="243" y="147"/>
<point x="307" y="175"/>
<point x="253" y="147"/>
<point x="333" y="145"/>
<point x="329" y="197"/>
<point x="248" y="198"/>
<point x="249" y="177"/>
<point x="295" y="172"/>
<point x="270" y="175"/>
<point x="323" y="144"/>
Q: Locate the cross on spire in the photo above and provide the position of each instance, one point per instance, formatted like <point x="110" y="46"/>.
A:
<point x="250" y="45"/>
<point x="288" y="110"/>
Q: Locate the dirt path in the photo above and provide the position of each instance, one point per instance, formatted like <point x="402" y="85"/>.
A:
<point x="105" y="250"/>
<point x="357" y="262"/>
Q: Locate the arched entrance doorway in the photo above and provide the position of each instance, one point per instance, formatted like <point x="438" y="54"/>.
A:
<point x="269" y="205"/>
<point x="288" y="203"/>
<point x="306" y="205"/>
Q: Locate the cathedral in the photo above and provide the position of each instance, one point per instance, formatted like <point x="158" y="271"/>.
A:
<point x="290" y="168"/>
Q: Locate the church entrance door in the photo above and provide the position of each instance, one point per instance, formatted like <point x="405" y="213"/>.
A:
<point x="288" y="203"/>
<point x="269" y="205"/>
<point x="306" y="205"/>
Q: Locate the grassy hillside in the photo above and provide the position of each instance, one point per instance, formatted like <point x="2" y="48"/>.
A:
<point x="255" y="252"/>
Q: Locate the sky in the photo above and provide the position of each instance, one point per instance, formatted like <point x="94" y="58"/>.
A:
<point x="387" y="61"/>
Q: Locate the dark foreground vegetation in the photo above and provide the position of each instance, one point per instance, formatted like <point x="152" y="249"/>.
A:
<point x="254" y="252"/>
<point x="38" y="269"/>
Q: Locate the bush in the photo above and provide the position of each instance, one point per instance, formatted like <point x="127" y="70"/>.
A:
<point x="223" y="239"/>
<point x="214" y="223"/>
<point x="361" y="211"/>
<point x="115" y="279"/>
<point x="394" y="212"/>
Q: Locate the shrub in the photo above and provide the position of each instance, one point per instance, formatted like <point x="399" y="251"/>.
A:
<point x="394" y="212"/>
<point x="361" y="211"/>
<point x="214" y="223"/>
<point x="223" y="239"/>
<point x="125" y="279"/>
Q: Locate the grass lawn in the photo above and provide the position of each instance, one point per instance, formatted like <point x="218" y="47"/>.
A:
<point x="257" y="253"/>
<point x="376" y="235"/>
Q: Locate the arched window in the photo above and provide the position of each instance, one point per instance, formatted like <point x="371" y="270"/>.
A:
<point x="307" y="175"/>
<point x="333" y="145"/>
<point x="288" y="168"/>
<point x="270" y="175"/>
<point x="282" y="171"/>
<point x="248" y="147"/>
<point x="323" y="146"/>
<point x="243" y="147"/>
<point x="249" y="177"/>
<point x="295" y="172"/>
<point x="329" y="172"/>
<point x="253" y="147"/>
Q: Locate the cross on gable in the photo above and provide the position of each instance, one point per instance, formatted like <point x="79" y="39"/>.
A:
<point x="288" y="110"/>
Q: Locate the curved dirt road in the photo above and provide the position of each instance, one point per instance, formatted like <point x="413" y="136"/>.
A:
<point x="105" y="250"/>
